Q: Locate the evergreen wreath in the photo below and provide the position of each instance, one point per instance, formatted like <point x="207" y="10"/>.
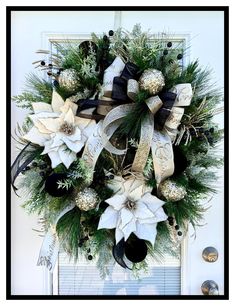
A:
<point x="119" y="148"/>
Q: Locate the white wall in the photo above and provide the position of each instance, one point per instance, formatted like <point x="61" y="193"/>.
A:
<point x="206" y="29"/>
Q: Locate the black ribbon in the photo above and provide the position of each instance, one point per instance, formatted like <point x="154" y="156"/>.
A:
<point x="118" y="253"/>
<point x="119" y="92"/>
<point x="23" y="159"/>
<point x="168" y="99"/>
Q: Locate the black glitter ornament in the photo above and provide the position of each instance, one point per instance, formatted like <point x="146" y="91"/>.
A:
<point x="43" y="63"/>
<point x="212" y="130"/>
<point x="165" y="52"/>
<point x="180" y="161"/>
<point x="177" y="227"/>
<point x="50" y="65"/>
<point x="171" y="223"/>
<point x="90" y="257"/>
<point x="34" y="164"/>
<point x="135" y="249"/>
<point x="111" y="32"/>
<point x="51" y="185"/>
<point x="179" y="233"/>
<point x="179" y="56"/>
<point x="170" y="218"/>
<point x="27" y="168"/>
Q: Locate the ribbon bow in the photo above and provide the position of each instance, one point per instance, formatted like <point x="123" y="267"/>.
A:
<point x="166" y="109"/>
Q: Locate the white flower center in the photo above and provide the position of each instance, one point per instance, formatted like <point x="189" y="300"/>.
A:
<point x="130" y="205"/>
<point x="67" y="129"/>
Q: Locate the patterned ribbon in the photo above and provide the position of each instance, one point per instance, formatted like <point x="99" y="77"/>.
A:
<point x="119" y="78"/>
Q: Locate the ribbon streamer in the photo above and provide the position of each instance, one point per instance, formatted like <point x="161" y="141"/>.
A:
<point x="23" y="159"/>
<point x="50" y="246"/>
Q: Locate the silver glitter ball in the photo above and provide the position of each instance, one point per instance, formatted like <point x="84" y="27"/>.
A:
<point x="87" y="199"/>
<point x="68" y="78"/>
<point x="171" y="191"/>
<point x="152" y="80"/>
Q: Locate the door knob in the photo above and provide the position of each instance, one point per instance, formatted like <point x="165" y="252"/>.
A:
<point x="209" y="287"/>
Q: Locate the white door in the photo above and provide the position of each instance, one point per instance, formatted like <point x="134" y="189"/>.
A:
<point x="31" y="31"/>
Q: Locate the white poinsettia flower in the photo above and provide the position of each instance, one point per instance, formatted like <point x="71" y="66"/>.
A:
<point x="133" y="209"/>
<point x="59" y="130"/>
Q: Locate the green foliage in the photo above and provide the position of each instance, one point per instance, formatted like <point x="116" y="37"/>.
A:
<point x="68" y="230"/>
<point x="199" y="178"/>
<point x="37" y="90"/>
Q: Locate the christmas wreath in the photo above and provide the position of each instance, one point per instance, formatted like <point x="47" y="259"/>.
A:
<point x="118" y="147"/>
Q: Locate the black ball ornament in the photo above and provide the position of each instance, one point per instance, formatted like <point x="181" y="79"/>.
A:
<point x="111" y="32"/>
<point x="135" y="249"/>
<point x="179" y="56"/>
<point x="165" y="52"/>
<point x="169" y="44"/>
<point x="51" y="185"/>
<point x="90" y="257"/>
<point x="180" y="161"/>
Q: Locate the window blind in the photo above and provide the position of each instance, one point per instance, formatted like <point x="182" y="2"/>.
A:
<point x="83" y="278"/>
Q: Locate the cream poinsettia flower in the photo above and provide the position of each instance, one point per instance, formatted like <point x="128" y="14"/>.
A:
<point x="133" y="209"/>
<point x="59" y="130"/>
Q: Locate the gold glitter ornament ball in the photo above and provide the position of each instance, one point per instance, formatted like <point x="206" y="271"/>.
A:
<point x="68" y="78"/>
<point x="87" y="199"/>
<point x="171" y="191"/>
<point x="152" y="80"/>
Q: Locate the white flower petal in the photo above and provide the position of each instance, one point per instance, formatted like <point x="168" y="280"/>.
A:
<point x="82" y="123"/>
<point x="126" y="216"/>
<point x="76" y="135"/>
<point x="41" y="128"/>
<point x="36" y="137"/>
<point x="68" y="104"/>
<point x="152" y="202"/>
<point x="135" y="188"/>
<point x="117" y="201"/>
<point x="69" y="117"/>
<point x="146" y="232"/>
<point x="66" y="156"/>
<point x="75" y="146"/>
<point x="57" y="140"/>
<point x="129" y="228"/>
<point x="108" y="219"/>
<point x="118" y="235"/>
<point x="55" y="158"/>
<point x="51" y="124"/>
<point x="39" y="107"/>
<point x="89" y="129"/>
<point x="142" y="212"/>
<point x="160" y="215"/>
<point x="57" y="102"/>
<point x="36" y="117"/>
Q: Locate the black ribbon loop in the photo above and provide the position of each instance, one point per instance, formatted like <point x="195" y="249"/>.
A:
<point x="119" y="92"/>
<point x="168" y="99"/>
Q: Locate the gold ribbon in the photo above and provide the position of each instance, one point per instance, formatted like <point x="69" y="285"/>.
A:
<point x="160" y="143"/>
